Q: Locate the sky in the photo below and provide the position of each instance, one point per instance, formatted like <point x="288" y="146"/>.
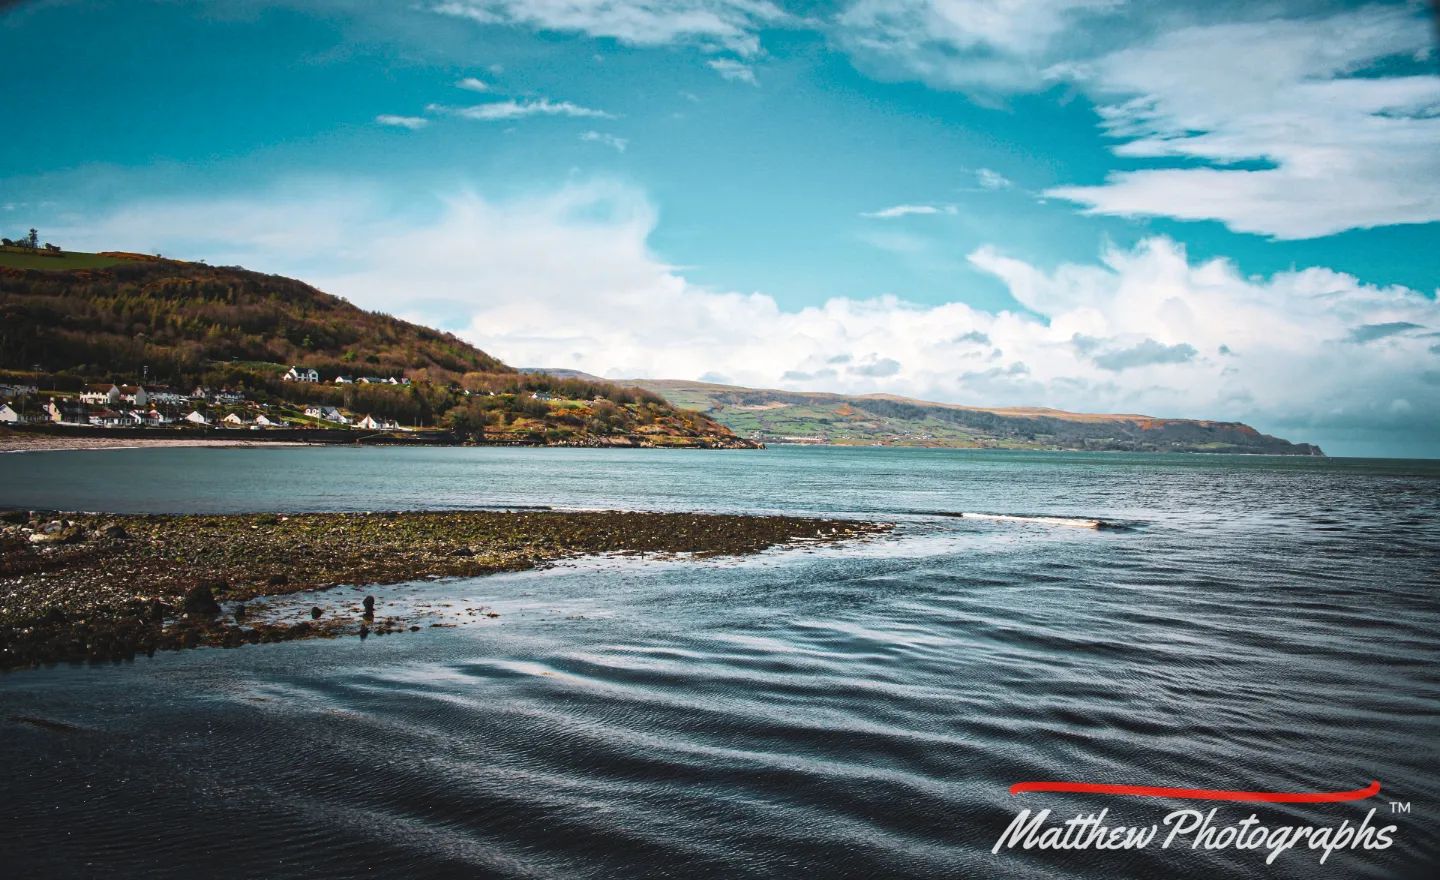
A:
<point x="1224" y="210"/>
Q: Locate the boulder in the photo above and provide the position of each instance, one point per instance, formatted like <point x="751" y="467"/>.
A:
<point x="201" y="600"/>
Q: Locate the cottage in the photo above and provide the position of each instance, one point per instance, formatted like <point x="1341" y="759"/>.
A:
<point x="8" y="415"/>
<point x="101" y="395"/>
<point x="155" y="417"/>
<point x="301" y="374"/>
<point x="16" y="390"/>
<point x="109" y="418"/>
<point x="265" y="421"/>
<point x="233" y="419"/>
<point x="344" y="380"/>
<point x="200" y="393"/>
<point x="227" y="397"/>
<point x="370" y="423"/>
<point x="197" y="418"/>
<point x="327" y="414"/>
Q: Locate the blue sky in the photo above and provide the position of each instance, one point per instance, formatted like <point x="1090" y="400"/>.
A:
<point x="1226" y="212"/>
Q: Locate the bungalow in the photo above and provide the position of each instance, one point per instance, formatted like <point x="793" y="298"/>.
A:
<point x="8" y="415"/>
<point x="155" y="417"/>
<point x="301" y="374"/>
<point x="11" y="390"/>
<point x="101" y="395"/>
<point x="109" y="418"/>
<point x="197" y="418"/>
<point x="200" y="393"/>
<point x="344" y="380"/>
<point x="326" y="413"/>
<point x="233" y="419"/>
<point x="227" y="397"/>
<point x="370" y="423"/>
<point x="265" y="421"/>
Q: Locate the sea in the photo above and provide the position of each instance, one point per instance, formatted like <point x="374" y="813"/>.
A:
<point x="1235" y="624"/>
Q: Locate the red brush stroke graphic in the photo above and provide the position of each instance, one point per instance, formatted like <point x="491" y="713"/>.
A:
<point x="1204" y="794"/>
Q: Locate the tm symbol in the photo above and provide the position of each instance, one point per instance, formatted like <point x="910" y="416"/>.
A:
<point x="1399" y="806"/>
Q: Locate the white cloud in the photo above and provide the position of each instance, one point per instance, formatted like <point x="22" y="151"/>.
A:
<point x="599" y="137"/>
<point x="410" y="122"/>
<point x="724" y="24"/>
<point x="895" y="211"/>
<point x="989" y="179"/>
<point x="515" y="109"/>
<point x="1345" y="148"/>
<point x="976" y="45"/>
<point x="567" y="279"/>
<point x="737" y="71"/>
<point x="471" y="84"/>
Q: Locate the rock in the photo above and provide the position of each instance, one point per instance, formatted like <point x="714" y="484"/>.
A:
<point x="15" y="517"/>
<point x="278" y="580"/>
<point x="316" y="612"/>
<point x="201" y="600"/>
<point x="113" y="532"/>
<point x="240" y="612"/>
<point x="462" y="551"/>
<point x="364" y="631"/>
<point x="369" y="607"/>
<point x="48" y="535"/>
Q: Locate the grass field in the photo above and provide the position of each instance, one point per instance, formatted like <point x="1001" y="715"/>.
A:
<point x="67" y="260"/>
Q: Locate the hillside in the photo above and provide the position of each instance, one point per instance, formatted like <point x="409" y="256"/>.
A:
<point x="878" y="419"/>
<point x="131" y="319"/>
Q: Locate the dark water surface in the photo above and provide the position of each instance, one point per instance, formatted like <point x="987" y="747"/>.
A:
<point x="1254" y="623"/>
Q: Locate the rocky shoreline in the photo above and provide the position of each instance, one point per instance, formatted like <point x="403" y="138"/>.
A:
<point x="92" y="587"/>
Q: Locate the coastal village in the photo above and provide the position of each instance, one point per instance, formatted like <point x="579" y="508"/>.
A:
<point x="109" y="405"/>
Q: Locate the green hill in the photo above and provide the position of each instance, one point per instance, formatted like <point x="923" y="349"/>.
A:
<point x="886" y="420"/>
<point x="186" y="324"/>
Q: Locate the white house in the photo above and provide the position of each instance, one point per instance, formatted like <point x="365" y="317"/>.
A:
<point x="197" y="417"/>
<point x="8" y="415"/>
<point x="100" y="395"/>
<point x="326" y="413"/>
<point x="135" y="394"/>
<point x="370" y="423"/>
<point x="265" y="421"/>
<point x="301" y="374"/>
<point x="226" y="396"/>
<point x="344" y="380"/>
<point x="233" y="419"/>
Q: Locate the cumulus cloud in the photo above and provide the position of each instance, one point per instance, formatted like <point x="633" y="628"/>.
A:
<point x="409" y="122"/>
<point x="725" y="24"/>
<point x="567" y="279"/>
<point x="1340" y="146"/>
<point x="1144" y="354"/>
<point x="498" y="111"/>
<point x="730" y="69"/>
<point x="471" y="84"/>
